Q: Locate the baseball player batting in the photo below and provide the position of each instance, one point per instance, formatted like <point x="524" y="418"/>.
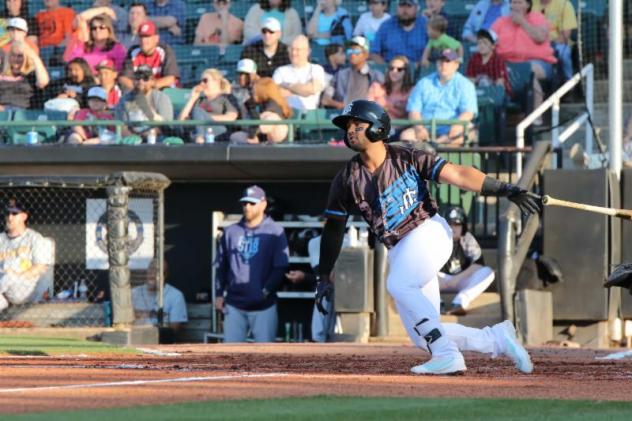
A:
<point x="388" y="185"/>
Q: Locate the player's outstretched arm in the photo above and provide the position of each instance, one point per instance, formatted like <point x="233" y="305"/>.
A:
<point x="330" y="245"/>
<point x="469" y="178"/>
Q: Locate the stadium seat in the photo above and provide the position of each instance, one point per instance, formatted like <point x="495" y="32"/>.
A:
<point x="17" y="134"/>
<point x="450" y="195"/>
<point x="172" y="141"/>
<point x="321" y="132"/>
<point x="491" y="115"/>
<point x="56" y="72"/>
<point x="317" y="54"/>
<point x="133" y="139"/>
<point x="521" y="81"/>
<point x="178" y="97"/>
<point x="232" y="54"/>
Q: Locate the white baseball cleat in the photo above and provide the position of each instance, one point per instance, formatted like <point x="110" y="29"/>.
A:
<point x="513" y="349"/>
<point x="449" y="364"/>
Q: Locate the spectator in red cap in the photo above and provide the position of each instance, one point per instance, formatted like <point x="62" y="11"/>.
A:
<point x="54" y="23"/>
<point x="170" y="18"/>
<point x="96" y="41"/>
<point x="154" y="54"/>
<point x="107" y="80"/>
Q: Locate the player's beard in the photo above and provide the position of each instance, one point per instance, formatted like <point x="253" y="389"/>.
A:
<point x="358" y="145"/>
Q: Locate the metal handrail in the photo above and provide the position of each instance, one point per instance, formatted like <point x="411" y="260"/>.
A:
<point x="553" y="102"/>
<point x="513" y="244"/>
<point x="118" y="124"/>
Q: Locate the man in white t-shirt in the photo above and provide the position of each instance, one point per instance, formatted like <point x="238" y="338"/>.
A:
<point x="145" y="301"/>
<point x="301" y="82"/>
<point x="24" y="256"/>
<point x="369" y="22"/>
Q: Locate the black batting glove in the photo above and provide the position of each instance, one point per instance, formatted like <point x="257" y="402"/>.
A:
<point x="324" y="289"/>
<point x="527" y="202"/>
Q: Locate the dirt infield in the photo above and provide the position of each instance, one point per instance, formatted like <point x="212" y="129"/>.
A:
<point x="203" y="372"/>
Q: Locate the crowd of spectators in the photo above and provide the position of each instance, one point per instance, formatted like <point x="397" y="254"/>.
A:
<point x="392" y="53"/>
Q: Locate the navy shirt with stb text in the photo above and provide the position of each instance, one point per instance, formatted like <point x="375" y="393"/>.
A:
<point x="246" y="258"/>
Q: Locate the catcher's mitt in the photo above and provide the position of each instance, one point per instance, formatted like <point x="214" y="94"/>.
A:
<point x="621" y="276"/>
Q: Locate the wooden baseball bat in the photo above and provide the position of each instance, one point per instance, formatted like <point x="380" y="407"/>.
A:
<point x="619" y="213"/>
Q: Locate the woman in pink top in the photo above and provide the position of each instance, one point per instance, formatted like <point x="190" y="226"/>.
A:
<point x="95" y="42"/>
<point x="393" y="94"/>
<point x="524" y="36"/>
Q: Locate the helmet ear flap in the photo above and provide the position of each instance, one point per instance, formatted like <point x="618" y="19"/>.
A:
<point x="375" y="133"/>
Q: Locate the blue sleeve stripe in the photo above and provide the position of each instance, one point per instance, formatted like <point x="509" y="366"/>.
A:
<point x="335" y="213"/>
<point x="437" y="166"/>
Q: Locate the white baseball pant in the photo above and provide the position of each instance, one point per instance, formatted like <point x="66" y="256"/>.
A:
<point x="14" y="290"/>
<point x="468" y="284"/>
<point x="414" y="263"/>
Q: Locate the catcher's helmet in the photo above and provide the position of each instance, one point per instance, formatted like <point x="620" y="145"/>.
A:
<point x="455" y="215"/>
<point x="367" y="111"/>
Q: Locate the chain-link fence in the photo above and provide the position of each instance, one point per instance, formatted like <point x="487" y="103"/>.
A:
<point x="57" y="251"/>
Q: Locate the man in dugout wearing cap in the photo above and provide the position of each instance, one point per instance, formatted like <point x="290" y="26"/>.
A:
<point x="251" y="262"/>
<point x="24" y="256"/>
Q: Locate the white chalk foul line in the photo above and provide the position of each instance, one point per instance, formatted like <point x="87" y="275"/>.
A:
<point x="142" y="382"/>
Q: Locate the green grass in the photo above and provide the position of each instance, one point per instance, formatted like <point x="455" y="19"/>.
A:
<point x="31" y="345"/>
<point x="340" y="408"/>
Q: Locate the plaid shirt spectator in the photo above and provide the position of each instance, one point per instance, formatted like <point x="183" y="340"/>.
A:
<point x="495" y="69"/>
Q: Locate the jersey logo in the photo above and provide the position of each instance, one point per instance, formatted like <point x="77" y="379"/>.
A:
<point x="400" y="199"/>
<point x="248" y="247"/>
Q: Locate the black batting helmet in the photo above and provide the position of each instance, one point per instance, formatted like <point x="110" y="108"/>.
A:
<point x="455" y="215"/>
<point x="369" y="112"/>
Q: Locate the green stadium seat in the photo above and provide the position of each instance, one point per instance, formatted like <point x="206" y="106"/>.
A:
<point x="46" y="134"/>
<point x="5" y="116"/>
<point x="232" y="53"/>
<point x="133" y="139"/>
<point x="521" y="81"/>
<point x="321" y="132"/>
<point x="317" y="54"/>
<point x="172" y="141"/>
<point x="178" y="97"/>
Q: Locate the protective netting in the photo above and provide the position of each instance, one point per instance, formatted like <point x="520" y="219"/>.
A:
<point x="71" y="216"/>
<point x="198" y="43"/>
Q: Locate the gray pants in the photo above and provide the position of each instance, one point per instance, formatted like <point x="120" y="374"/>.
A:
<point x="262" y="324"/>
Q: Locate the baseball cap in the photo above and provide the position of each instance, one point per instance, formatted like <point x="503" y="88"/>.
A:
<point x="411" y="2"/>
<point x="488" y="34"/>
<point x="360" y="41"/>
<point x="18" y="23"/>
<point x="15" y="206"/>
<point x="97" y="92"/>
<point x="246" y="65"/>
<point x="271" y="24"/>
<point x="147" y="29"/>
<point x="106" y="64"/>
<point x="455" y="216"/>
<point x="449" y="55"/>
<point x="253" y="194"/>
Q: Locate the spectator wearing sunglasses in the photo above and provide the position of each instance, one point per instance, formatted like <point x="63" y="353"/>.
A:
<point x="369" y="22"/>
<point x="392" y="95"/>
<point x="96" y="41"/>
<point x="144" y="103"/>
<point x="220" y="27"/>
<point x="269" y="53"/>
<point x="210" y="101"/>
<point x="354" y="81"/>
<point x="150" y="52"/>
<point x="281" y="10"/>
<point x="170" y="18"/>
